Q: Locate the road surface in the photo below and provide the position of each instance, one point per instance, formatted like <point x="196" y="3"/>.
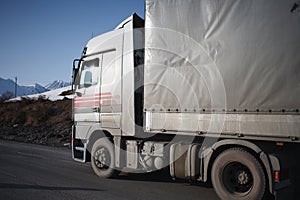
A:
<point x="38" y="172"/>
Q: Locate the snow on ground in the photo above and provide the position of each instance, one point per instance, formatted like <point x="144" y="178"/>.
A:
<point x="52" y="95"/>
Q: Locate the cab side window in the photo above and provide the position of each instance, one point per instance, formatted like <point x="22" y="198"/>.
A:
<point x="90" y="73"/>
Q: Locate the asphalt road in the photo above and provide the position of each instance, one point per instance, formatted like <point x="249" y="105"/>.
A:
<point x="38" y="172"/>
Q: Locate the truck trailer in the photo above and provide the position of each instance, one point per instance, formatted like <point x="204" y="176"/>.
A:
<point x="208" y="90"/>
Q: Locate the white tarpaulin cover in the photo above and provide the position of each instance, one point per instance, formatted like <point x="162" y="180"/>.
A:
<point x="222" y="54"/>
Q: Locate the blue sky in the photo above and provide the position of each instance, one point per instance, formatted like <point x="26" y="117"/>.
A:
<point x="40" y="38"/>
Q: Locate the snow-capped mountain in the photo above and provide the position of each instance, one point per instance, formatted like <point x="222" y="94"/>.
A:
<point x="8" y="85"/>
<point x="34" y="89"/>
<point x="57" y="84"/>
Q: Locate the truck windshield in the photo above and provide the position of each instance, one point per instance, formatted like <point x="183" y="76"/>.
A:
<point x="89" y="73"/>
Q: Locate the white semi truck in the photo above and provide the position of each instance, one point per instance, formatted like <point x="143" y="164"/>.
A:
<point x="207" y="89"/>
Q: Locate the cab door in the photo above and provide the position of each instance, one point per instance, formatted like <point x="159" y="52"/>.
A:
<point x="87" y="95"/>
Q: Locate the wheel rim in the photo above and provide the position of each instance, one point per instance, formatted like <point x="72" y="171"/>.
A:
<point x="102" y="158"/>
<point x="237" y="178"/>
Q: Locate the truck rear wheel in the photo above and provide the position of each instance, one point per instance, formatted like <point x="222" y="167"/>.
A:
<point x="103" y="158"/>
<point x="237" y="174"/>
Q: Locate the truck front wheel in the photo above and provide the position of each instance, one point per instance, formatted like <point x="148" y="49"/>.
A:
<point x="237" y="174"/>
<point x="102" y="158"/>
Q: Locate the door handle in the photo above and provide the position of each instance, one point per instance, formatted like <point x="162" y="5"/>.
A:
<point x="80" y="94"/>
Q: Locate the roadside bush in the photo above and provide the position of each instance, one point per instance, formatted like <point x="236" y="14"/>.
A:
<point x="6" y="96"/>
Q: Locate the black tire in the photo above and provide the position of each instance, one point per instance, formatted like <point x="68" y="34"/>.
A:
<point x="237" y="174"/>
<point x="103" y="159"/>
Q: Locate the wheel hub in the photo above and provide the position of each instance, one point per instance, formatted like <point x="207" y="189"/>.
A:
<point x="237" y="178"/>
<point x="242" y="177"/>
<point x="102" y="158"/>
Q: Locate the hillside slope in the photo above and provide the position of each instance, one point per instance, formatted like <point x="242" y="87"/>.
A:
<point x="38" y="121"/>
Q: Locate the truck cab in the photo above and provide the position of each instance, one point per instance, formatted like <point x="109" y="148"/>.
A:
<point x="104" y="85"/>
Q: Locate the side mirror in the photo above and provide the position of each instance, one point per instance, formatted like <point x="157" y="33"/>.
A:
<point x="75" y="72"/>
